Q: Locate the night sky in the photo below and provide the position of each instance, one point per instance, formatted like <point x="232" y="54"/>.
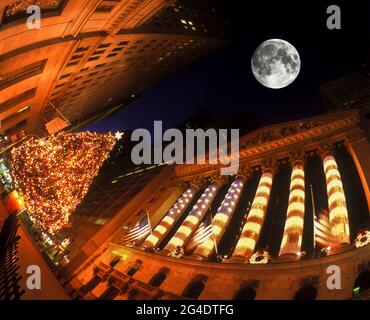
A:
<point x="223" y="82"/>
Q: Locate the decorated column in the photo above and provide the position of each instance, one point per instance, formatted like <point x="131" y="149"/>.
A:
<point x="256" y="217"/>
<point x="190" y="224"/>
<point x="338" y="214"/>
<point x="222" y="218"/>
<point x="293" y="231"/>
<point x="177" y="210"/>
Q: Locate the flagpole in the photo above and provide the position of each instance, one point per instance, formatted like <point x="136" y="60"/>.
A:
<point x="150" y="225"/>
<point x="313" y="217"/>
<point x="213" y="235"/>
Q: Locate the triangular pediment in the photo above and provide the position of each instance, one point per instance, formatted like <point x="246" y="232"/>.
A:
<point x="278" y="131"/>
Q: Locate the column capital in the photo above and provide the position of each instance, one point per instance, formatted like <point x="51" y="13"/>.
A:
<point x="270" y="165"/>
<point x="325" y="149"/>
<point x="297" y="157"/>
<point x="197" y="183"/>
<point x="181" y="184"/>
<point x="244" y="173"/>
<point x="218" y="180"/>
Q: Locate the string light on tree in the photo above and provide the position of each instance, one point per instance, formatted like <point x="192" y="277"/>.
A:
<point x="55" y="173"/>
<point x="22" y="5"/>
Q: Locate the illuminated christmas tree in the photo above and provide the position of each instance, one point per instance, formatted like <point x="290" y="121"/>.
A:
<point x="55" y="173"/>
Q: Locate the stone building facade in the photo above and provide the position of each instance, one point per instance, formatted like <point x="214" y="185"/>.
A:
<point x="260" y="240"/>
<point x="93" y="57"/>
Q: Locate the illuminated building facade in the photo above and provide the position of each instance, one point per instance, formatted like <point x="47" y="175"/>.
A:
<point x="162" y="232"/>
<point x="253" y="234"/>
<point x="91" y="58"/>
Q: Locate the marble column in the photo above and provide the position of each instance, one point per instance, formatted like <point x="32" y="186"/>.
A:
<point x="338" y="214"/>
<point x="222" y="218"/>
<point x="252" y="228"/>
<point x="177" y="210"/>
<point x="195" y="216"/>
<point x="293" y="230"/>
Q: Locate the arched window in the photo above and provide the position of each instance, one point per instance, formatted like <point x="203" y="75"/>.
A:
<point x="89" y="286"/>
<point x="158" y="278"/>
<point x="306" y="293"/>
<point x="133" y="267"/>
<point x="362" y="282"/>
<point x="246" y="293"/>
<point x="132" y="294"/>
<point x="110" y="293"/>
<point x="114" y="261"/>
<point x="194" y="290"/>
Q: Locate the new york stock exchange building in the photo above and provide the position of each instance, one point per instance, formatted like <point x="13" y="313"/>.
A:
<point x="292" y="224"/>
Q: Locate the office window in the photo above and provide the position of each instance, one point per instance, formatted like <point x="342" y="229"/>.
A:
<point x="82" y="49"/>
<point x="98" y="52"/>
<point x="111" y="55"/>
<point x="104" y="45"/>
<point x="16" y="114"/>
<point x="77" y="57"/>
<point x="123" y="43"/>
<point x="104" y="8"/>
<point x="65" y="75"/>
<point x="134" y="267"/>
<point x="17" y="99"/>
<point x="93" y="58"/>
<point x="101" y="221"/>
<point x="72" y="64"/>
<point x="23" y="73"/>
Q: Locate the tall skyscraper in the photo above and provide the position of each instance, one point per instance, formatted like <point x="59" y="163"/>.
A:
<point x="347" y="92"/>
<point x="91" y="58"/>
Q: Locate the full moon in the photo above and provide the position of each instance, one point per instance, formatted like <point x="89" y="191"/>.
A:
<point x="276" y="64"/>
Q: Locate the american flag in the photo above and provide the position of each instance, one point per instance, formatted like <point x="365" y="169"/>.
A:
<point x="323" y="234"/>
<point x="140" y="231"/>
<point x="203" y="232"/>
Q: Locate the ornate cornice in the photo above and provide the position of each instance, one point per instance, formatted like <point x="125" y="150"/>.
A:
<point x="314" y="132"/>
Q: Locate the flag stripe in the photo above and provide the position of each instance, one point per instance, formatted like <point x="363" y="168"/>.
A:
<point x="322" y="235"/>
<point x="322" y="227"/>
<point x="200" y="235"/>
<point x="140" y="230"/>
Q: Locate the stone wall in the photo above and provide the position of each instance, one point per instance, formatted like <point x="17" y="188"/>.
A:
<point x="277" y="281"/>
